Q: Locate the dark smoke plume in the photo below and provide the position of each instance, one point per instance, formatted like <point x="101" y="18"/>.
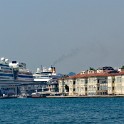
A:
<point x="72" y="53"/>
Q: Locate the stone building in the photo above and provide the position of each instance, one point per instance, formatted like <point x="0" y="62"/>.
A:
<point x="94" y="82"/>
<point x="81" y="86"/>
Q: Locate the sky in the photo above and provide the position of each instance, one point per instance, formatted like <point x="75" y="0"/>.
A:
<point x="71" y="35"/>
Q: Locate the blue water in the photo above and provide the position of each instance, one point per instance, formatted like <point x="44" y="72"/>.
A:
<point x="62" y="111"/>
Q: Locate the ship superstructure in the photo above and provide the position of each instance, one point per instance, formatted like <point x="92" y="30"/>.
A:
<point x="6" y="72"/>
<point x="45" y="74"/>
<point x="47" y="80"/>
<point x="14" y="77"/>
<point x="21" y="73"/>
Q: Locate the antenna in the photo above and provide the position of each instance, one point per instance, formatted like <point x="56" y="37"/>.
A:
<point x="41" y="68"/>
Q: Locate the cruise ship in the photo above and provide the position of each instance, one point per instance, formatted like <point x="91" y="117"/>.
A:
<point x="44" y="74"/>
<point x="6" y="72"/>
<point x="14" y="71"/>
<point x="13" y="75"/>
<point x="47" y="80"/>
<point x="20" y="72"/>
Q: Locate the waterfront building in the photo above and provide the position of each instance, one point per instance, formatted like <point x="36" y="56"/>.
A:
<point x="118" y="88"/>
<point x="92" y="86"/>
<point x="91" y="82"/>
<point x="102" y="85"/>
<point x="67" y="85"/>
<point x="116" y="83"/>
<point x="71" y="84"/>
<point x="111" y="85"/>
<point x="62" y="85"/>
<point x="81" y="86"/>
<point x="97" y="84"/>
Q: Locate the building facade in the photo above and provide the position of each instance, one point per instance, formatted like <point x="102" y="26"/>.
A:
<point x="81" y="86"/>
<point x="88" y="83"/>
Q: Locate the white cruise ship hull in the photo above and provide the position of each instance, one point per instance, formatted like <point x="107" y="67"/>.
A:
<point x="42" y="79"/>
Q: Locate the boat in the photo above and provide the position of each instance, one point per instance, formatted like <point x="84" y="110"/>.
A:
<point x="45" y="74"/>
<point x="21" y="73"/>
<point x="37" y="95"/>
<point x="6" y="72"/>
<point x="47" y="80"/>
<point x="6" y="78"/>
<point x="22" y="96"/>
<point x="12" y="75"/>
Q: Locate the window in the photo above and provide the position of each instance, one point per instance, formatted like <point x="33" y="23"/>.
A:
<point x="118" y="79"/>
<point x="97" y="81"/>
<point x="74" y="89"/>
<point x="81" y="80"/>
<point x="97" y="88"/>
<point x="113" y="88"/>
<point x="73" y="82"/>
<point x="86" y="88"/>
<point x="86" y="81"/>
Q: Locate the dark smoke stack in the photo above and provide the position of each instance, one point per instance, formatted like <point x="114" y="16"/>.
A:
<point x="53" y="69"/>
<point x="67" y="56"/>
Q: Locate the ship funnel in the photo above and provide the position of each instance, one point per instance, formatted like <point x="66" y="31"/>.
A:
<point x="53" y="69"/>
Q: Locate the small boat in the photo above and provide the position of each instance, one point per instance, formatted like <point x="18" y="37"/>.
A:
<point x="21" y="96"/>
<point x="7" y="97"/>
<point x="37" y="95"/>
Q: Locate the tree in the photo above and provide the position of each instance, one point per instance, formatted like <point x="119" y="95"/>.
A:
<point x="122" y="67"/>
<point x="91" y="68"/>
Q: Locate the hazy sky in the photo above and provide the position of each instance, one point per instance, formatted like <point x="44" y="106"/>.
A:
<point x="73" y="35"/>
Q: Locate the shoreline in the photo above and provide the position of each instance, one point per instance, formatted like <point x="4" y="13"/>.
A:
<point x="95" y="96"/>
<point x="98" y="96"/>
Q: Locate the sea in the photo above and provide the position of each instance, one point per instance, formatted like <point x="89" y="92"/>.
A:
<point x="62" y="111"/>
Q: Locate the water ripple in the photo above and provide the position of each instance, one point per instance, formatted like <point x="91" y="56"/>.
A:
<point x="62" y="110"/>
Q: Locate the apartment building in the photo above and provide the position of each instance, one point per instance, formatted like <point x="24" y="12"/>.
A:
<point x="81" y="86"/>
<point x="94" y="82"/>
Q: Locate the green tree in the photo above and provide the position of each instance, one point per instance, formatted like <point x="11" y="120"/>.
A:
<point x="122" y="67"/>
<point x="91" y="68"/>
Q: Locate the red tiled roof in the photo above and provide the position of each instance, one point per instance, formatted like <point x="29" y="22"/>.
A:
<point x="104" y="74"/>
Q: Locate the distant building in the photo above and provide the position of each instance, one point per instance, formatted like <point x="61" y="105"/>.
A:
<point x="103" y="81"/>
<point x="116" y="84"/>
<point x="81" y="86"/>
